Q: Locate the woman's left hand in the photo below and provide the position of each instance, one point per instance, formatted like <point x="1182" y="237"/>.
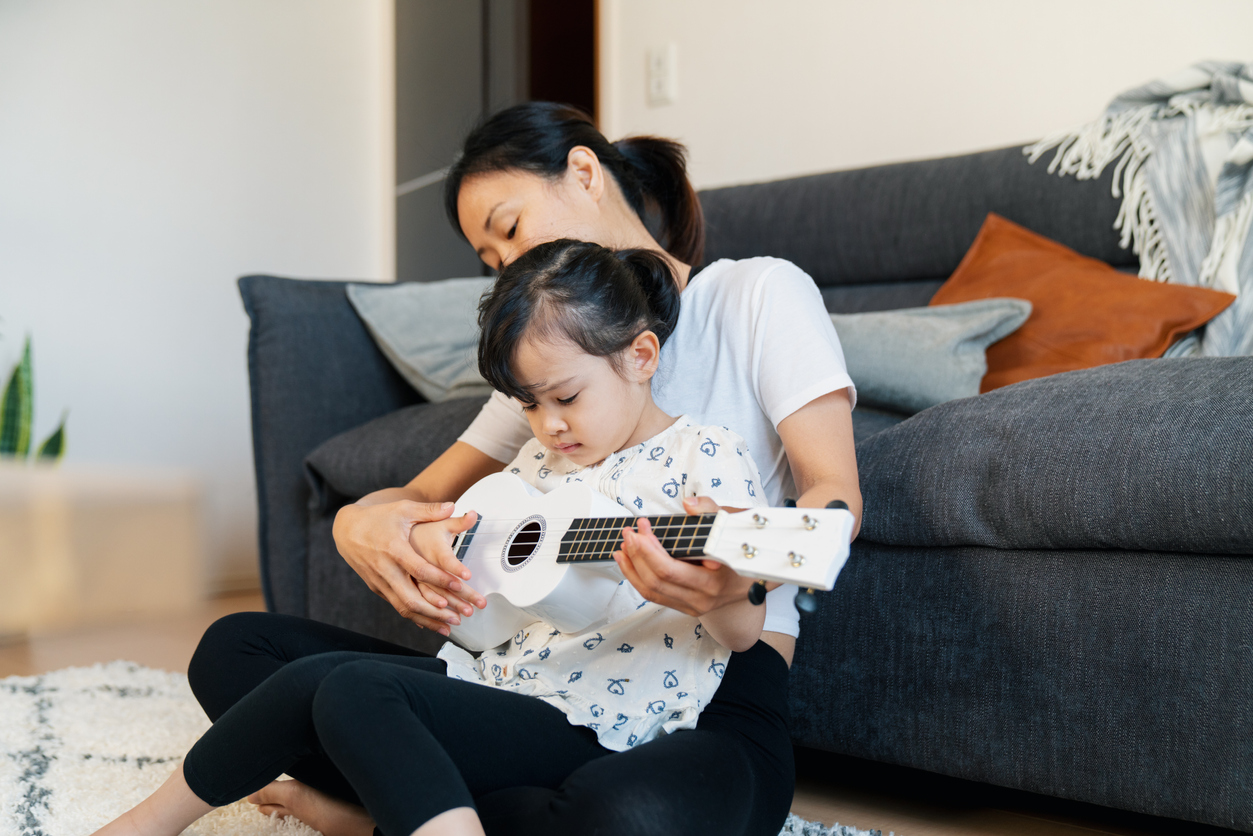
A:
<point x="692" y="588"/>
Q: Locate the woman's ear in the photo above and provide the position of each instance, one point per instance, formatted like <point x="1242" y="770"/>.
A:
<point x="583" y="166"/>
<point x="643" y="356"/>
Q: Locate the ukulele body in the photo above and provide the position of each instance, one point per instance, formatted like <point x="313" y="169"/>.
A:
<point x="512" y="553"/>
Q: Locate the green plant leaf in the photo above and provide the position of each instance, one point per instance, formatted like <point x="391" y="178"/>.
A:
<point x="16" y="408"/>
<point x="53" y="447"/>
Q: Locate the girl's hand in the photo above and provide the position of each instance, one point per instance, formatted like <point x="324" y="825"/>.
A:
<point x="736" y="624"/>
<point x="692" y="588"/>
<point x="395" y="546"/>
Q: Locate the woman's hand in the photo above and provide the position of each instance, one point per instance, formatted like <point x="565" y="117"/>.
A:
<point x="396" y="545"/>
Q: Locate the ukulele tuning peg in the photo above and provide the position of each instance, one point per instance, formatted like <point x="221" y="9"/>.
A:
<point x="806" y="601"/>
<point x="809" y="522"/>
<point x="789" y="503"/>
<point x="759" y="521"/>
<point x="838" y="503"/>
<point x="749" y="551"/>
<point x="757" y="594"/>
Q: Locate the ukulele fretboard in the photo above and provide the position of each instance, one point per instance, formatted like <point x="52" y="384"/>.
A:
<point x="597" y="538"/>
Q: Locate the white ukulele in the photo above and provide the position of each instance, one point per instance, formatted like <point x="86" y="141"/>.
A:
<point x="549" y="556"/>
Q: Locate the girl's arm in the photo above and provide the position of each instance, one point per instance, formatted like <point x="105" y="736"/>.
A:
<point x="736" y="626"/>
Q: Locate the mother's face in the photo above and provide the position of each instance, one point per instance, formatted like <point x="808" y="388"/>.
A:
<point x="505" y="213"/>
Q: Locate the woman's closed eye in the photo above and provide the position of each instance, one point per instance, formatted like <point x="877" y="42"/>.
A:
<point x="567" y="401"/>
<point x="513" y="230"/>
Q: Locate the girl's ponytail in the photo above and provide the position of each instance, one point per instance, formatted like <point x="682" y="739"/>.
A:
<point x="660" y="168"/>
<point x="655" y="278"/>
<point x="537" y="137"/>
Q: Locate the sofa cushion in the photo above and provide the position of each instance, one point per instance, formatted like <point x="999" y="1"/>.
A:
<point x="909" y="221"/>
<point x="1147" y="454"/>
<point x="386" y="452"/>
<point x="1085" y="314"/>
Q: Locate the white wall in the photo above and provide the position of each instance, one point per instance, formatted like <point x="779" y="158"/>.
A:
<point x="773" y="89"/>
<point x="150" y="153"/>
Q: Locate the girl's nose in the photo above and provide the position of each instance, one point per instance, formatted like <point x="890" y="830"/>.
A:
<point x="553" y="425"/>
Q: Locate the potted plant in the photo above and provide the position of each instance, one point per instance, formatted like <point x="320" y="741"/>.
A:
<point x="17" y="409"/>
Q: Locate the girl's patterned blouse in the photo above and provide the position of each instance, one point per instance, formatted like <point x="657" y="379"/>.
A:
<point x="645" y="670"/>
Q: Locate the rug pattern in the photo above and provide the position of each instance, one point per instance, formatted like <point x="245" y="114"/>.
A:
<point x="79" y="746"/>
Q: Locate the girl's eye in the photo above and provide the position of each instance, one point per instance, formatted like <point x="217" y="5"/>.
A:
<point x="529" y="407"/>
<point x="567" y="401"/>
<point x="513" y="230"/>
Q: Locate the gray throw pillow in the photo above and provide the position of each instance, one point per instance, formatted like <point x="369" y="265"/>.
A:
<point x="429" y="331"/>
<point x="915" y="358"/>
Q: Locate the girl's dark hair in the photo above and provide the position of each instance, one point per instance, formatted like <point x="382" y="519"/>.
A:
<point x="599" y="299"/>
<point x="537" y="137"/>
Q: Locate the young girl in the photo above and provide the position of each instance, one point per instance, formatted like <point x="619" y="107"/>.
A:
<point x="574" y="332"/>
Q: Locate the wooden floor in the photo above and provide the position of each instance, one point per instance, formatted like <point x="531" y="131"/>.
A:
<point x="830" y="788"/>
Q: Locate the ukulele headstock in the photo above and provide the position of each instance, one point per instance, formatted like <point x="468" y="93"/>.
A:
<point x="802" y="546"/>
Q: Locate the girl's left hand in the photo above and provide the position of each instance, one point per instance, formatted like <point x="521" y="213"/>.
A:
<point x="692" y="588"/>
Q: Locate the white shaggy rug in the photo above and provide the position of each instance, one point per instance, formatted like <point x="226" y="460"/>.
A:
<point x="80" y="746"/>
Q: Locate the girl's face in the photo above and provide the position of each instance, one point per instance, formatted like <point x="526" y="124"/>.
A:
<point x="584" y="408"/>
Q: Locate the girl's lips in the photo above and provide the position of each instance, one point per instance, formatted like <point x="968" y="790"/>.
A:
<point x="565" y="448"/>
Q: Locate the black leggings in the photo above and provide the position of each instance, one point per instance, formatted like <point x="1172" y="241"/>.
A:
<point x="380" y="725"/>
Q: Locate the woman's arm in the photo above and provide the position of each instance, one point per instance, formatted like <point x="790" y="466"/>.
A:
<point x="376" y="537"/>
<point x="818" y="439"/>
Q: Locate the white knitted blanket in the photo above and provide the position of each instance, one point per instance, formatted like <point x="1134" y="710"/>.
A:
<point x="1182" y="150"/>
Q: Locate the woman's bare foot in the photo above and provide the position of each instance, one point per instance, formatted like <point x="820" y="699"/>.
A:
<point x="320" y="811"/>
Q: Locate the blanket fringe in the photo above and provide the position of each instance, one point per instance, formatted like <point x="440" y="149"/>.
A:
<point x="1120" y="138"/>
<point x="1218" y="270"/>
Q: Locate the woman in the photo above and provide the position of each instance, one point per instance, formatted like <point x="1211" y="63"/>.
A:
<point x="753" y="349"/>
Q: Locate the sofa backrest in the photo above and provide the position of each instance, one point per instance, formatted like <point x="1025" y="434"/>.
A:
<point x="887" y="236"/>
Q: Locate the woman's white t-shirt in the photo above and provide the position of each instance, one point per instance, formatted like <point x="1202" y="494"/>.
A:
<point x="753" y="344"/>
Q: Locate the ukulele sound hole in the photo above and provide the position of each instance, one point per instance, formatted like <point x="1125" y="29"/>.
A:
<point x="524" y="543"/>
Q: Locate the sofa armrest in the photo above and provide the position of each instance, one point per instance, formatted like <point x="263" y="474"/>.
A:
<point x="314" y="372"/>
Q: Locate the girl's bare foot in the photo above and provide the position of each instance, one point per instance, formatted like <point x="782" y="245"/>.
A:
<point x="330" y="816"/>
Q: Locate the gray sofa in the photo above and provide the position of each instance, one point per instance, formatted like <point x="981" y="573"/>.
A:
<point x="1052" y="589"/>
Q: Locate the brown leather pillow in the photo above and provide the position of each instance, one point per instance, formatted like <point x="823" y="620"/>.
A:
<point x="1084" y="312"/>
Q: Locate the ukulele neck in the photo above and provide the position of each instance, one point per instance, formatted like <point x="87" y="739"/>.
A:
<point x="595" y="539"/>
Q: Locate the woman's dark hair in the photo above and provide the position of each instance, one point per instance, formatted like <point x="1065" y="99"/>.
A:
<point x="599" y="299"/>
<point x="537" y="137"/>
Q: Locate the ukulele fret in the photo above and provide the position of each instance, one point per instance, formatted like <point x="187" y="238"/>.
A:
<point x="591" y="539"/>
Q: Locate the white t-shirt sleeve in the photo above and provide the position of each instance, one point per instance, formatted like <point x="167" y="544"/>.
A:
<point x="500" y="429"/>
<point x="781" y="613"/>
<point x="796" y="353"/>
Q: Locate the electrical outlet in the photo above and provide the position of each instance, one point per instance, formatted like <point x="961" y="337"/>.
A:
<point x="662" y="76"/>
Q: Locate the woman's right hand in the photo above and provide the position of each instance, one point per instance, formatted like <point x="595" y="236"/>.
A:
<point x="397" y="546"/>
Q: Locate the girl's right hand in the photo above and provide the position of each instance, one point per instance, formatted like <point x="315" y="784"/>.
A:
<point x="402" y="551"/>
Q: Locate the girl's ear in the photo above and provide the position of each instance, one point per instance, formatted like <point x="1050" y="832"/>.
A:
<point x="583" y="166"/>
<point x="643" y="356"/>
